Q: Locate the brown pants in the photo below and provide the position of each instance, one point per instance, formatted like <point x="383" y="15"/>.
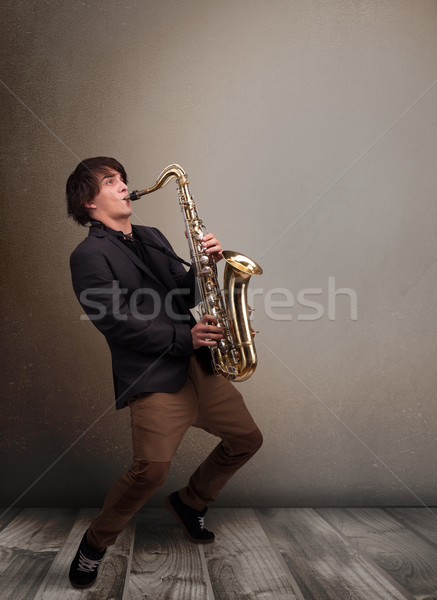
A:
<point x="158" y="423"/>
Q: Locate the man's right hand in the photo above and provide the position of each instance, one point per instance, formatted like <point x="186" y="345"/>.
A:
<point x="206" y="332"/>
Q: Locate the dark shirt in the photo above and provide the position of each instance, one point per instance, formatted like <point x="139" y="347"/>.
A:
<point x="130" y="241"/>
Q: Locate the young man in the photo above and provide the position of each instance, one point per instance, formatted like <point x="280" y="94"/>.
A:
<point x="137" y="293"/>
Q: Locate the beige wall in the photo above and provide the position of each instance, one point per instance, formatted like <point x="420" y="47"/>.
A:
<point x="309" y="131"/>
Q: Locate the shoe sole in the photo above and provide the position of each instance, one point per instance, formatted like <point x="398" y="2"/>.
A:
<point x="179" y="520"/>
<point x="76" y="586"/>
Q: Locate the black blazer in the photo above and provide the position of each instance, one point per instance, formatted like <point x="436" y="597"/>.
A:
<point x="141" y="309"/>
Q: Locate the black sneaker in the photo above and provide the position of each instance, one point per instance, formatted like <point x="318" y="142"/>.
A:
<point x="83" y="570"/>
<point x="190" y="519"/>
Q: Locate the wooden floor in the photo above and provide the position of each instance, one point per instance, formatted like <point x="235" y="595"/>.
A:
<point x="264" y="554"/>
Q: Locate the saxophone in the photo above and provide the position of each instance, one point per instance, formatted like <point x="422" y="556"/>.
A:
<point x="234" y="356"/>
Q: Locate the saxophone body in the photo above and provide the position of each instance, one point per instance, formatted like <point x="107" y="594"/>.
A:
<point x="234" y="356"/>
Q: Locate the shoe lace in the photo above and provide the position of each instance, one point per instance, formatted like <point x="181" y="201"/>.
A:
<point x="201" y="522"/>
<point x="87" y="565"/>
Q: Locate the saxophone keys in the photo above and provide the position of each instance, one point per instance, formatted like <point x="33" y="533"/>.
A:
<point x="235" y="356"/>
<point x="197" y="231"/>
<point x="222" y="346"/>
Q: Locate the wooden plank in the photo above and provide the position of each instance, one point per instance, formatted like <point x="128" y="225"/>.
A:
<point x="165" y="564"/>
<point x="28" y="545"/>
<point x="324" y="565"/>
<point x="241" y="562"/>
<point x="421" y="519"/>
<point x="7" y="515"/>
<point x="408" y="558"/>
<point x="111" y="579"/>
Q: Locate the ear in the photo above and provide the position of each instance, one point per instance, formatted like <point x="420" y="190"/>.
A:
<point x="90" y="204"/>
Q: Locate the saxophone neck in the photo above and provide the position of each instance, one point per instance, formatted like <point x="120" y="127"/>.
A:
<point x="167" y="174"/>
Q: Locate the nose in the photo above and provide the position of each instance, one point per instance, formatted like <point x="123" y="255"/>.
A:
<point x="122" y="186"/>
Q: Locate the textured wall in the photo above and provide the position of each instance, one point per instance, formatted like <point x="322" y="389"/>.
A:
<point x="308" y="129"/>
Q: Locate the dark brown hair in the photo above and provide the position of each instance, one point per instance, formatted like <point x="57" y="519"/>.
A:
<point x="83" y="184"/>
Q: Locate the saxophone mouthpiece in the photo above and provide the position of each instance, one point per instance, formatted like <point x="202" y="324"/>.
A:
<point x="133" y="195"/>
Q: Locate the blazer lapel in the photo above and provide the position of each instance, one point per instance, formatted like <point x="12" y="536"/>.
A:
<point x="134" y="258"/>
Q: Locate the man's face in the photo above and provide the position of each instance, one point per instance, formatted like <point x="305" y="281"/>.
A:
<point x="110" y="203"/>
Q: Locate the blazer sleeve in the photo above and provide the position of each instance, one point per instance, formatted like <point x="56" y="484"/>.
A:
<point x="107" y="307"/>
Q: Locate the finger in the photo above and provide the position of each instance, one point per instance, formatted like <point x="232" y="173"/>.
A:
<point x="216" y="334"/>
<point x="208" y="343"/>
<point x="216" y="329"/>
<point x="217" y="249"/>
<point x="206" y="319"/>
<point x="211" y="243"/>
<point x="213" y="335"/>
<point x="210" y="335"/>
<point x="208" y="239"/>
